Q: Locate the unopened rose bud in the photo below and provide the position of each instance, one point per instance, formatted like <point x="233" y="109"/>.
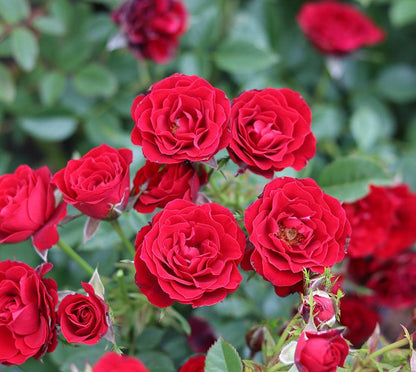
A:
<point x="255" y="337"/>
<point x="323" y="309"/>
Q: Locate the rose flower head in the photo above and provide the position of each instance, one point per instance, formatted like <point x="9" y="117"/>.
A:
<point x="323" y="309"/>
<point x="152" y="27"/>
<point x="181" y="118"/>
<point x="337" y="28"/>
<point x="194" y="364"/>
<point x="98" y="184"/>
<point x="190" y="254"/>
<point x="28" y="208"/>
<point x="293" y="226"/>
<point x="27" y="312"/>
<point x="270" y="131"/>
<point x="159" y="184"/>
<point x="113" y="362"/>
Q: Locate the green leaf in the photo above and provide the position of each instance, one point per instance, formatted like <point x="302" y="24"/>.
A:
<point x="364" y="126"/>
<point x="327" y="121"/>
<point x="14" y="11"/>
<point x="50" y="25"/>
<point x="8" y="89"/>
<point x="397" y="83"/>
<point x="51" y="88"/>
<point x="348" y="178"/>
<point x="25" y="48"/>
<point x="49" y="128"/>
<point x="222" y="357"/>
<point x="402" y="12"/>
<point x="239" y="56"/>
<point x="95" y="80"/>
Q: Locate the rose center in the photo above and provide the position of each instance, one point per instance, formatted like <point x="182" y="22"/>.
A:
<point x="174" y="127"/>
<point x="289" y="235"/>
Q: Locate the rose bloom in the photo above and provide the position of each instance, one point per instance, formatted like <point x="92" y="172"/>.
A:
<point x="383" y="223"/>
<point x="98" y="184"/>
<point x="83" y="318"/>
<point x="27" y="312"/>
<point x="28" y="208"/>
<point x="294" y="225"/>
<point x="159" y="184"/>
<point x="359" y="317"/>
<point x="152" y="27"/>
<point x="270" y="131"/>
<point x="321" y="351"/>
<point x="337" y="28"/>
<point x="189" y="254"/>
<point x="323" y="309"/>
<point x="181" y="118"/>
<point x="112" y="362"/>
<point x="194" y="364"/>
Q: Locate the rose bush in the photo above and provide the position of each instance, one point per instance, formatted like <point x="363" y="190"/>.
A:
<point x="113" y="362"/>
<point x="28" y="207"/>
<point x="270" y="131"/>
<point x="181" y="118"/>
<point x="27" y="312"/>
<point x="189" y="254"/>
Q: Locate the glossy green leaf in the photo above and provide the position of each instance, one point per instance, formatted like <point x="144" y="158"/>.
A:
<point x="327" y="121"/>
<point x="95" y="80"/>
<point x="25" y="48"/>
<point x="50" y="25"/>
<point x="13" y="11"/>
<point x="49" y="128"/>
<point x="398" y="83"/>
<point x="8" y="89"/>
<point x="51" y="87"/>
<point x="403" y="12"/>
<point x="222" y="357"/>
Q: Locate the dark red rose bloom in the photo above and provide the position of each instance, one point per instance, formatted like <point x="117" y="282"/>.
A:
<point x="337" y="28"/>
<point x="27" y="312"/>
<point x="294" y="225"/>
<point x="194" y="364"/>
<point x="152" y="27"/>
<point x="27" y="207"/>
<point x="162" y="183"/>
<point x="83" y="318"/>
<point x="98" y="184"/>
<point x="112" y="362"/>
<point x="323" y="309"/>
<point x="270" y="131"/>
<point x="359" y="317"/>
<point x="383" y="223"/>
<point x="202" y="336"/>
<point x="181" y="118"/>
<point x="189" y="254"/>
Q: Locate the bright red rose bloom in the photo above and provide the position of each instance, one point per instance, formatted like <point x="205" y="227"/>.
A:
<point x="270" y="131"/>
<point x="98" y="184"/>
<point x="294" y="225"/>
<point x="160" y="184"/>
<point x="27" y="207"/>
<point x="27" y="312"/>
<point x="181" y="118"/>
<point x="112" y="362"/>
<point x="359" y="317"/>
<point x="321" y="351"/>
<point x="194" y="364"/>
<point x="152" y="27"/>
<point x="189" y="254"/>
<point x="383" y="223"/>
<point x="337" y="28"/>
<point x="323" y="309"/>
<point x="83" y="318"/>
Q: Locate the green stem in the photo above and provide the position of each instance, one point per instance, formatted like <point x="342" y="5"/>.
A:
<point x="75" y="256"/>
<point x="123" y="237"/>
<point x="284" y="335"/>
<point x="389" y="347"/>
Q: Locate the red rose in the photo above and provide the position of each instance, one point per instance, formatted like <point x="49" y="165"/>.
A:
<point x="27" y="207"/>
<point x="83" y="318"/>
<point x="321" y="351"/>
<point x="181" y="118"/>
<point x="27" y="312"/>
<point x="359" y="317"/>
<point x="202" y="336"/>
<point x="98" y="184"/>
<point x="194" y="364"/>
<point x="323" y="309"/>
<point x="383" y="223"/>
<point x="294" y="225"/>
<point x="337" y="28"/>
<point x="270" y="131"/>
<point x="152" y="27"/>
<point x="189" y="254"/>
<point x="160" y="184"/>
<point x="112" y="362"/>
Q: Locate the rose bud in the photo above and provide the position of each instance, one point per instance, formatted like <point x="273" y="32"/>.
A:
<point x="323" y="309"/>
<point x="194" y="364"/>
<point x="27" y="207"/>
<point x="321" y="351"/>
<point x="27" y="312"/>
<point x="98" y="184"/>
<point x="112" y="362"/>
<point x="83" y="318"/>
<point x="255" y="337"/>
<point x="202" y="336"/>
